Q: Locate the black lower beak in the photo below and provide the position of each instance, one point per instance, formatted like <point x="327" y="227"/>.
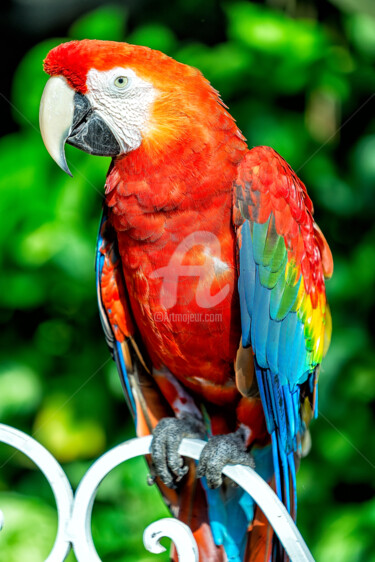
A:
<point x="90" y="132"/>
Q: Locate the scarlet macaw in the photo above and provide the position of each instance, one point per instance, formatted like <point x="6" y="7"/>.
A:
<point x="210" y="278"/>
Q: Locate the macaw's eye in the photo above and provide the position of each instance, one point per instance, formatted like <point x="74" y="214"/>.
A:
<point x="121" y="82"/>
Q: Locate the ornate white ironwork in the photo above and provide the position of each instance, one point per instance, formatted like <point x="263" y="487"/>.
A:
<point x="57" y="479"/>
<point x="180" y="534"/>
<point x="74" y="516"/>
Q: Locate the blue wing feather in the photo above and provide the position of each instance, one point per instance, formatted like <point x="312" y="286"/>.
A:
<point x="273" y="346"/>
<point x="260" y="321"/>
<point x="106" y="248"/>
<point x="280" y="350"/>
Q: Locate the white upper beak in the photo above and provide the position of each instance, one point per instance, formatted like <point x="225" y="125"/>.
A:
<point x="56" y="118"/>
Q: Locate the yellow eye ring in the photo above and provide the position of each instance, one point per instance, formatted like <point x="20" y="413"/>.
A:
<point x="121" y="82"/>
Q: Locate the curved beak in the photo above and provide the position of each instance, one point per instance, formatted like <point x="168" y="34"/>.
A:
<point x="56" y="118"/>
<point x="67" y="116"/>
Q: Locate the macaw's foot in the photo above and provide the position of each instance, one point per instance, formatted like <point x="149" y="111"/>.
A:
<point x="221" y="450"/>
<point x="167" y="436"/>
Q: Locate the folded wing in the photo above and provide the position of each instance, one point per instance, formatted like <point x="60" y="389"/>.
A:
<point x="283" y="261"/>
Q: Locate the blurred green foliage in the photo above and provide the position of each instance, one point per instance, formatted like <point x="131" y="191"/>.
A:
<point x="302" y="86"/>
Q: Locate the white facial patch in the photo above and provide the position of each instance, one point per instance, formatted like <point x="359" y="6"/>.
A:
<point x="123" y="101"/>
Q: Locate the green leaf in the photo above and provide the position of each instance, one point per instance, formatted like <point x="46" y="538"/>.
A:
<point x="67" y="437"/>
<point x="106" y="23"/>
<point x="361" y="30"/>
<point x="273" y="33"/>
<point x="20" y="389"/>
<point x="154" y="35"/>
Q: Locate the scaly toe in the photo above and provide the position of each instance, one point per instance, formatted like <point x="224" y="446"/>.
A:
<point x="220" y="451"/>
<point x="167" y="436"/>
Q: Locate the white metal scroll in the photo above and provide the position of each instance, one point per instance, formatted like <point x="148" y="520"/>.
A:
<point x="57" y="479"/>
<point x="74" y="515"/>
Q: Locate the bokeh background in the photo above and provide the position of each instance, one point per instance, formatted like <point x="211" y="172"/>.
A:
<point x="298" y="76"/>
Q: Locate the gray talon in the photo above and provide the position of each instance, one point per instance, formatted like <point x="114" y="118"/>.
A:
<point x="167" y="436"/>
<point x="219" y="451"/>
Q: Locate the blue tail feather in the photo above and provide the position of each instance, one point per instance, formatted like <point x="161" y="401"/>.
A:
<point x="231" y="510"/>
<point x="281" y="412"/>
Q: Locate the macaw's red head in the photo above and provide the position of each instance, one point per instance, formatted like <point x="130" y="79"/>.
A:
<point x="110" y="98"/>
